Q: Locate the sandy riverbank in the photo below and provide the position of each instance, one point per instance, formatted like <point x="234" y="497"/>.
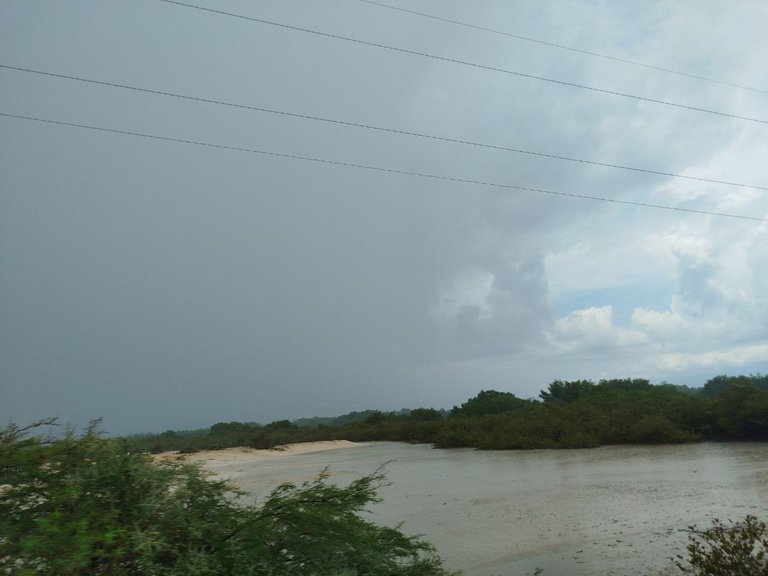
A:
<point x="250" y="453"/>
<point x="228" y="461"/>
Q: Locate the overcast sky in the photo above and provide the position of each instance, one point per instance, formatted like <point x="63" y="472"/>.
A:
<point x="165" y="285"/>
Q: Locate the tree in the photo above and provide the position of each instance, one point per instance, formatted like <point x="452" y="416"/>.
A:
<point x="742" y="411"/>
<point x="425" y="415"/>
<point x="88" y="505"/>
<point x="376" y="417"/>
<point x="490" y="402"/>
<point x="718" y="384"/>
<point x="566" y="391"/>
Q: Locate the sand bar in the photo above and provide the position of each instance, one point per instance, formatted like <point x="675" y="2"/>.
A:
<point x="224" y="461"/>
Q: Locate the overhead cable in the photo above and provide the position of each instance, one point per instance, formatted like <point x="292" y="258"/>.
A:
<point x="380" y="168"/>
<point x="564" y="47"/>
<point x="467" y="63"/>
<point x="378" y="128"/>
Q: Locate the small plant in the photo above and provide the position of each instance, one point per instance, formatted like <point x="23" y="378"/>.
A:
<point x="734" y="549"/>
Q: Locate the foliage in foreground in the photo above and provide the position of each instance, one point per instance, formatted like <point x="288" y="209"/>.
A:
<point x="735" y="549"/>
<point x="87" y="505"/>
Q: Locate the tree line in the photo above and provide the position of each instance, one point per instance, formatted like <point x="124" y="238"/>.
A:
<point x="567" y="414"/>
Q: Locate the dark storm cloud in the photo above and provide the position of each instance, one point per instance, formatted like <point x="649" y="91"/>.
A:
<point x="163" y="285"/>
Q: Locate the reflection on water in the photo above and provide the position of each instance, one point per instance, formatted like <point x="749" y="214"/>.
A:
<point x="606" y="511"/>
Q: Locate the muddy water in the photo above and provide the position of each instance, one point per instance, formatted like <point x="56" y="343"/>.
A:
<point x="605" y="511"/>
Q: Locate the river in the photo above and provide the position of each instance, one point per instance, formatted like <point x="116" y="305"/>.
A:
<point x="618" y="510"/>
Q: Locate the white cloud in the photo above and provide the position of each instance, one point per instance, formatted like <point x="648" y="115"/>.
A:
<point x="717" y="360"/>
<point x="593" y="329"/>
<point x="658" y="324"/>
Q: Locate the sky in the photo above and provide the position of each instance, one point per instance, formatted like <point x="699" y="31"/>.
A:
<point x="161" y="284"/>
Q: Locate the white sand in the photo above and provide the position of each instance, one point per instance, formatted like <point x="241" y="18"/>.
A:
<point x="224" y="462"/>
<point x="251" y="453"/>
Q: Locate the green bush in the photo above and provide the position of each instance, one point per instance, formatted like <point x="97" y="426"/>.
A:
<point x="86" y="505"/>
<point x="736" y="549"/>
<point x="578" y="439"/>
<point x="653" y="429"/>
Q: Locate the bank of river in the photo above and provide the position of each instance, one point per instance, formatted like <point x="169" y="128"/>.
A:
<point x="605" y="511"/>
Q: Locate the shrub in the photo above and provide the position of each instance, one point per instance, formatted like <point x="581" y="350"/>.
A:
<point x="87" y="505"/>
<point x="736" y="549"/>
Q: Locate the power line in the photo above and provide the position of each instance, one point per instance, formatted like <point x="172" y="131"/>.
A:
<point x="377" y="128"/>
<point x="564" y="47"/>
<point x="379" y="168"/>
<point x="466" y="63"/>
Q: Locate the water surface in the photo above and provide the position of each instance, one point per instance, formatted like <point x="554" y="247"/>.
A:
<point x="619" y="510"/>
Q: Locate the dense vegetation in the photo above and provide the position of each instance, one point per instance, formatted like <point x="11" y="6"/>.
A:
<point x="74" y="506"/>
<point x="90" y="505"/>
<point x="567" y="414"/>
